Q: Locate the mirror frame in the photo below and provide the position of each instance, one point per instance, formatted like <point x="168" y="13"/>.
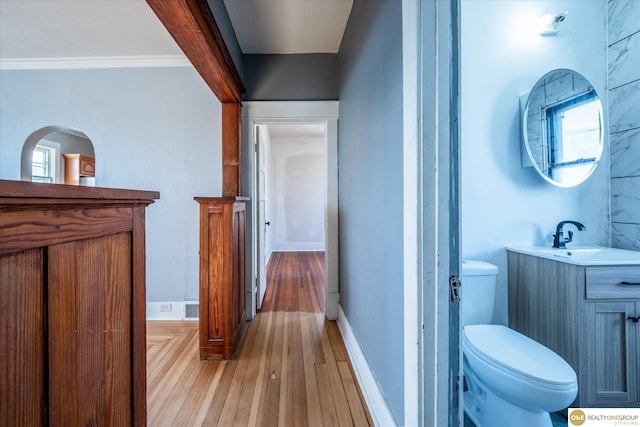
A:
<point x="534" y="95"/>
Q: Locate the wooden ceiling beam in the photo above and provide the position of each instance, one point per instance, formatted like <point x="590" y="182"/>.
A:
<point x="193" y="27"/>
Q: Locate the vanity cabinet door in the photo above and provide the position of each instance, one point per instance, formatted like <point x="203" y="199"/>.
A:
<point x="612" y="353"/>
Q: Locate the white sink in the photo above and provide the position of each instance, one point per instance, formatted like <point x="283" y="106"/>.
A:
<point x="582" y="255"/>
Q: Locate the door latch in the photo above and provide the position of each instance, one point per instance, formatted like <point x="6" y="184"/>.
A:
<point x="634" y="319"/>
<point x="454" y="286"/>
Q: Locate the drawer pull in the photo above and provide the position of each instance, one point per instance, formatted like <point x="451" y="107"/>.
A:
<point x="630" y="283"/>
<point x="634" y="318"/>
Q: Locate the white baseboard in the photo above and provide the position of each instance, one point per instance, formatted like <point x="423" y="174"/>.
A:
<point x="373" y="396"/>
<point x="168" y="310"/>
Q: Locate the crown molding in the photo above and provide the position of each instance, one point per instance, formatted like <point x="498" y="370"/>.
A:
<point x="89" y="62"/>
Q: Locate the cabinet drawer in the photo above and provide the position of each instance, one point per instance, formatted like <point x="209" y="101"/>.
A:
<point x="613" y="282"/>
<point x="87" y="166"/>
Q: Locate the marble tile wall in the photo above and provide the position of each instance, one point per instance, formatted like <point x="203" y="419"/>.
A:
<point x="624" y="121"/>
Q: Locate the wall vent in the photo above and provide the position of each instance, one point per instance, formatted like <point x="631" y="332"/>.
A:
<point x="191" y="310"/>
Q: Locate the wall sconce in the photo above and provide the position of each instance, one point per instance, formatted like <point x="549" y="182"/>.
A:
<point x="548" y="23"/>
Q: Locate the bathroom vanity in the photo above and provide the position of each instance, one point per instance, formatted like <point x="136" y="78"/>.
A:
<point x="584" y="304"/>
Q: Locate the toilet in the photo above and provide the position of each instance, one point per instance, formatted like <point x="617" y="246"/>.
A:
<point x="511" y="380"/>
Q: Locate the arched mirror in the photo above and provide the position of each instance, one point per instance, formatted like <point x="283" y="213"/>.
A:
<point x="563" y="127"/>
<point x="58" y="155"/>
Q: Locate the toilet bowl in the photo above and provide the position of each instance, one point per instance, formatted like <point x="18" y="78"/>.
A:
<point x="515" y="379"/>
<point x="511" y="379"/>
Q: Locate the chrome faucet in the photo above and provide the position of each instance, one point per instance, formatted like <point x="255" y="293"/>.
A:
<point x="559" y="240"/>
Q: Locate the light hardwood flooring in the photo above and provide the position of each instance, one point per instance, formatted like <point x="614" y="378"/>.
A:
<point x="292" y="370"/>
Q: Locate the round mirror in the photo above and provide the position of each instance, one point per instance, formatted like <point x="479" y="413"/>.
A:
<point x="562" y="127"/>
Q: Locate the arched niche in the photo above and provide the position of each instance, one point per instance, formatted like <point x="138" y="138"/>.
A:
<point x="65" y="140"/>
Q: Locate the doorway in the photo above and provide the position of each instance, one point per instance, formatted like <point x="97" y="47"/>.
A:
<point x="290" y="193"/>
<point x="270" y="228"/>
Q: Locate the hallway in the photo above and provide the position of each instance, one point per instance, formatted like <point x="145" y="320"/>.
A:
<point x="292" y="370"/>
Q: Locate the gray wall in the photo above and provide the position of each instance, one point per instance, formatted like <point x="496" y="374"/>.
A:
<point x="71" y="143"/>
<point x="624" y="121"/>
<point x="152" y="129"/>
<point x="371" y="188"/>
<point x="299" y="77"/>
<point x="221" y="16"/>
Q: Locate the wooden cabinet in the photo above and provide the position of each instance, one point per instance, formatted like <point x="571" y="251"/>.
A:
<point x="586" y="315"/>
<point x="612" y="354"/>
<point x="77" y="166"/>
<point x="72" y="305"/>
<point x="222" y="276"/>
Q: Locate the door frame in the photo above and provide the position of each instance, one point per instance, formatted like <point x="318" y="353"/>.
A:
<point x="294" y="112"/>
<point x="261" y="217"/>
<point x="431" y="211"/>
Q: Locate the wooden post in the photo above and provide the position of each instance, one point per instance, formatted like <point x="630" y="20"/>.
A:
<point x="231" y="150"/>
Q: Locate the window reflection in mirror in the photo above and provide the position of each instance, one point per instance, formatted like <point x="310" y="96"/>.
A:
<point x="563" y="128"/>
<point x="573" y="137"/>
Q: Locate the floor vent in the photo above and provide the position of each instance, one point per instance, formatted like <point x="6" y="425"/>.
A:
<point x="191" y="310"/>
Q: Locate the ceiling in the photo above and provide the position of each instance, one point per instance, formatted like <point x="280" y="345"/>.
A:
<point x="119" y="28"/>
<point x="33" y="32"/>
<point x="81" y="28"/>
<point x="289" y="26"/>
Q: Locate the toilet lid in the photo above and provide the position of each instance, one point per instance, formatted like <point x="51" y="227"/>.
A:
<point x="511" y="351"/>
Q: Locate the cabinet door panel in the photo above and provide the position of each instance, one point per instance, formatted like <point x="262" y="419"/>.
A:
<point x="611" y="353"/>
<point x="22" y="339"/>
<point x="217" y="276"/>
<point x="90" y="331"/>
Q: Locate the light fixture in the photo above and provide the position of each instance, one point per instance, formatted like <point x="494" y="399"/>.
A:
<point x="548" y="23"/>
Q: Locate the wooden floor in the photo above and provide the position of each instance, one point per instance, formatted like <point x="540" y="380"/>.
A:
<point x="292" y="370"/>
<point x="296" y="282"/>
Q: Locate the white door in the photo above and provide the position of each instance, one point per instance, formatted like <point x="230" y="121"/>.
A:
<point x="262" y="227"/>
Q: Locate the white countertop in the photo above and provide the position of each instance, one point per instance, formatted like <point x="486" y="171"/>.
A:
<point x="582" y="255"/>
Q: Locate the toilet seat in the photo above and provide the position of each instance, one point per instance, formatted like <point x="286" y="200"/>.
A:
<point x="519" y="356"/>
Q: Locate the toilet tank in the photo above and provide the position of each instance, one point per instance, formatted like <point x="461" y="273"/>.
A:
<point x="478" y="292"/>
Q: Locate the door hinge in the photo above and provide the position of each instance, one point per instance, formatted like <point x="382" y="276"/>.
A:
<point x="454" y="286"/>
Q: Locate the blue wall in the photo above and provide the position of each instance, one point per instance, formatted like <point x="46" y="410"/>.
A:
<point x="152" y="129"/>
<point x="503" y="56"/>
<point x="371" y="188"/>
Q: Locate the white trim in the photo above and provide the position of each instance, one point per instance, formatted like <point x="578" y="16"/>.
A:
<point x="89" y="62"/>
<point x="412" y="235"/>
<point x="284" y="110"/>
<point x="434" y="98"/>
<point x="296" y="246"/>
<point x="319" y="112"/>
<point x="371" y="390"/>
